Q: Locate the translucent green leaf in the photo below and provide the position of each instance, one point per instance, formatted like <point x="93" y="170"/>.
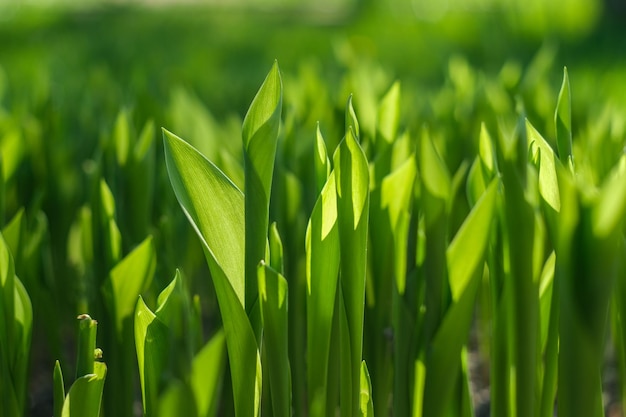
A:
<point x="322" y="271"/>
<point x="13" y="233"/>
<point x="85" y="395"/>
<point x="610" y="209"/>
<point x="276" y="249"/>
<point x="396" y="197"/>
<point x="465" y="264"/>
<point x="260" y="137"/>
<point x="273" y="293"/>
<point x="213" y="205"/>
<point x="322" y="163"/>
<point x="563" y="120"/>
<point x="152" y="344"/>
<point x="13" y="149"/>
<point x="434" y="172"/>
<point x="546" y="161"/>
<point x="476" y="182"/>
<point x="207" y="370"/>
<point x="352" y="182"/>
<point x="366" y="404"/>
<point x="131" y="276"/>
<point x="121" y="137"/>
<point x="351" y="119"/>
<point x="466" y="251"/>
<point x="111" y="233"/>
<point x="389" y="114"/>
<point x="485" y="149"/>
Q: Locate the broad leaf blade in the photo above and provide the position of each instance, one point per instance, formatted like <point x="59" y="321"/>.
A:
<point x="83" y="399"/>
<point x="213" y="205"/>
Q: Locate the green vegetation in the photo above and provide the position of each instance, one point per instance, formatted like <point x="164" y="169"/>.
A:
<point x="416" y="201"/>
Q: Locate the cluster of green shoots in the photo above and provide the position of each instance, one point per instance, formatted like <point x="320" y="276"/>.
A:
<point x="367" y="309"/>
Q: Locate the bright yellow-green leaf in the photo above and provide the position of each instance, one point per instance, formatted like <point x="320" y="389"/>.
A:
<point x="433" y="170"/>
<point x="610" y="208"/>
<point x="546" y="162"/>
<point x="365" y="402"/>
<point x="152" y="344"/>
<point x="213" y="205"/>
<point x="207" y="370"/>
<point x="322" y="243"/>
<point x="466" y="251"/>
<point x="389" y="113"/>
<point x="352" y="182"/>
<point x="131" y="276"/>
<point x="273" y="292"/>
<point x="563" y="120"/>
<point x="85" y="395"/>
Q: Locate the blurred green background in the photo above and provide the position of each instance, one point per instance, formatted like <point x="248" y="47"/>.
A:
<point x="69" y="69"/>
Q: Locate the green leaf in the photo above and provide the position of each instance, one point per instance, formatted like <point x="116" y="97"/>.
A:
<point x="466" y="251"/>
<point x="13" y="233"/>
<point x="396" y="198"/>
<point x="546" y="161"/>
<point x="351" y="120"/>
<point x="563" y="121"/>
<point x="322" y="271"/>
<point x="152" y="345"/>
<point x="131" y="276"/>
<point x="177" y="400"/>
<point x="273" y="293"/>
<point x="260" y="137"/>
<point x="352" y="182"/>
<point x="207" y="370"/>
<point x="85" y="395"/>
<point x="121" y="137"/>
<point x="366" y="404"/>
<point x="87" y="329"/>
<point x="276" y="249"/>
<point x="111" y="233"/>
<point x="322" y="163"/>
<point x="435" y="174"/>
<point x="465" y="264"/>
<point x="214" y="206"/>
<point x="389" y="114"/>
<point x="610" y="208"/>
<point x="485" y="149"/>
<point x="58" y="389"/>
<point x="16" y="320"/>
